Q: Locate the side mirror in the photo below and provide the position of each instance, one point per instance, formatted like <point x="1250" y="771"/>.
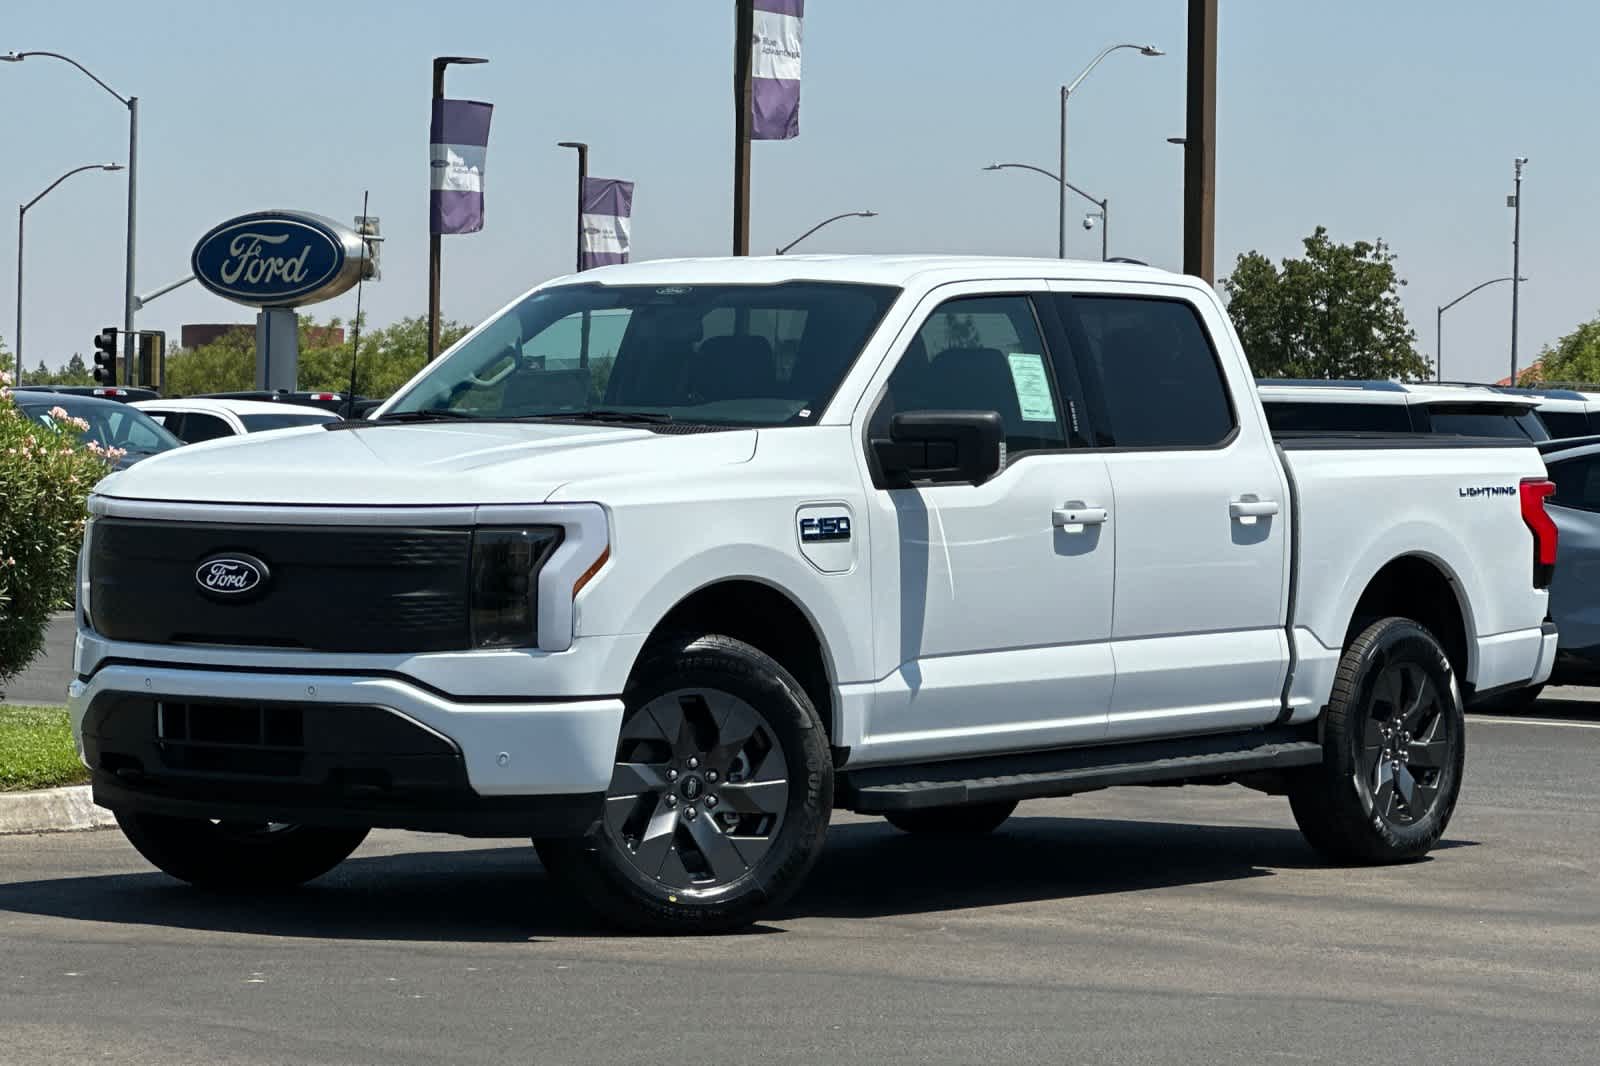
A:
<point x="944" y="447"/>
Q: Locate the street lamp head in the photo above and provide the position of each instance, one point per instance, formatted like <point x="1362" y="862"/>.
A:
<point x="458" y="59"/>
<point x="572" y="144"/>
<point x="11" y="57"/>
<point x="1151" y="50"/>
<point x="993" y="166"/>
<point x="866" y="214"/>
<point x="110" y="166"/>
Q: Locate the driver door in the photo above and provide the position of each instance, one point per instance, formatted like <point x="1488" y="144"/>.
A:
<point x="992" y="612"/>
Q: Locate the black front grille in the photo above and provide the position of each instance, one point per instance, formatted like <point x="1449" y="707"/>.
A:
<point x="329" y="588"/>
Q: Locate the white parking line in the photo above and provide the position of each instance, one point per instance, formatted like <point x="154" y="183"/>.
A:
<point x="1532" y="721"/>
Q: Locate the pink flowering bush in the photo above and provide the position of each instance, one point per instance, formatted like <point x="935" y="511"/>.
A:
<point x="46" y="472"/>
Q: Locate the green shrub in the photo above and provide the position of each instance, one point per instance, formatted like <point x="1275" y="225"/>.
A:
<point x="46" y="472"/>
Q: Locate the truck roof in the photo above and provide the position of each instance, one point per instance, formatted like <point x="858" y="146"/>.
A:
<point x="898" y="270"/>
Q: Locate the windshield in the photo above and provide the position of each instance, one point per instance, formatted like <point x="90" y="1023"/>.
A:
<point x="757" y="355"/>
<point x="114" y="425"/>
<point x="259" y="423"/>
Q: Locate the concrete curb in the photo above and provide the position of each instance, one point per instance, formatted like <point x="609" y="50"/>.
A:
<point x="54" y="810"/>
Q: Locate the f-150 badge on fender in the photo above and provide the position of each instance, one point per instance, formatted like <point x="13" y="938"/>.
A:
<point x="833" y="527"/>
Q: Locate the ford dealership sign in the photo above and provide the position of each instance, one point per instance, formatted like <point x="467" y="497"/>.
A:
<point x="279" y="259"/>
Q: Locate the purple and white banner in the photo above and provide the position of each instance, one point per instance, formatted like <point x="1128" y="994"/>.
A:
<point x="459" y="143"/>
<point x="775" y="70"/>
<point x="607" y="217"/>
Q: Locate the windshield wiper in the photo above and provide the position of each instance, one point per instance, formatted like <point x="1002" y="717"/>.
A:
<point x="427" y="414"/>
<point x="605" y="414"/>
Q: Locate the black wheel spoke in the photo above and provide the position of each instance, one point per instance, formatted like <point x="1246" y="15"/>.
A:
<point x="1372" y="735"/>
<point x="633" y="778"/>
<point x="656" y="844"/>
<point x="1386" y="693"/>
<point x="1383" y="789"/>
<point x="737" y="725"/>
<point x="755" y="797"/>
<point x="719" y="852"/>
<point x="1432" y="748"/>
<point x="1423" y="703"/>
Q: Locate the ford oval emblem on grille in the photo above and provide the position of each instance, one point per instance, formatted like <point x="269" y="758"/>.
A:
<point x="231" y="575"/>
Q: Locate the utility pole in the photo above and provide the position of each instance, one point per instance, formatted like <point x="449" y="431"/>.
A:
<point x="1200" y="150"/>
<point x="1515" y="201"/>
<point x="744" y="31"/>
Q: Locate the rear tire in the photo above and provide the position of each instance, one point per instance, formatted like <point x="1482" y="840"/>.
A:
<point x="974" y="819"/>
<point x="1394" y="748"/>
<point x="720" y="799"/>
<point x="236" y="857"/>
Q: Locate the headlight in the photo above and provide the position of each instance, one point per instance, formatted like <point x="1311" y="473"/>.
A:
<point x="505" y="584"/>
<point x="84" y="557"/>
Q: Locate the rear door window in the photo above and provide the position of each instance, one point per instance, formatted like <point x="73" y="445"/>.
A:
<point x="1565" y="423"/>
<point x="198" y="427"/>
<point x="1149" y="370"/>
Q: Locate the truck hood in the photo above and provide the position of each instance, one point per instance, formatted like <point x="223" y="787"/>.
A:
<point x="431" y="464"/>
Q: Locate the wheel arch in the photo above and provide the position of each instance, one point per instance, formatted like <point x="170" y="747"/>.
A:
<point x="768" y="618"/>
<point x="1424" y="588"/>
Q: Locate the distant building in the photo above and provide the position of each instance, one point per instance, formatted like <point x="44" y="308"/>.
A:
<point x="196" y="334"/>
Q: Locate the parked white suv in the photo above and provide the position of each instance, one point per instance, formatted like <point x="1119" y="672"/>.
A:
<point x="667" y="561"/>
<point x="195" y="418"/>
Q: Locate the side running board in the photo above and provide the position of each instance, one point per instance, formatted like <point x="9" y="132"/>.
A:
<point x="1063" y="771"/>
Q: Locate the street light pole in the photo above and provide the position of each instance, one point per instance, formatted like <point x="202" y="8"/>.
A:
<point x="1103" y="204"/>
<point x="824" y="222"/>
<point x="22" y="214"/>
<point x="1066" y="94"/>
<point x="1516" y="258"/>
<point x="1438" y="324"/>
<point x="439" y="63"/>
<point x="129" y="300"/>
<point x="583" y="174"/>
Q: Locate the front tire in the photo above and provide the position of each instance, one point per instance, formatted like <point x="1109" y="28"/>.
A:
<point x="973" y="819"/>
<point x="1394" y="748"/>
<point x="720" y="798"/>
<point x="238" y="857"/>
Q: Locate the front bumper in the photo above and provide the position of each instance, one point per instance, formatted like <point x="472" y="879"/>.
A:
<point x="421" y="760"/>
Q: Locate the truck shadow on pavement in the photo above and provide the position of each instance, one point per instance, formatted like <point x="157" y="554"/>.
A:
<point x="869" y="870"/>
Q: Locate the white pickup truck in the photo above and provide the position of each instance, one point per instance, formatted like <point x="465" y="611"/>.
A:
<point x="667" y="561"/>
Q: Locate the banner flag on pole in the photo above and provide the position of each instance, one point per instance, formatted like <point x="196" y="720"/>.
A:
<point x="607" y="217"/>
<point x="459" y="143"/>
<point x="775" y="70"/>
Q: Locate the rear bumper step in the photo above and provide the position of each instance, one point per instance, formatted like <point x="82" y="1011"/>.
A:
<point x="1031" y="775"/>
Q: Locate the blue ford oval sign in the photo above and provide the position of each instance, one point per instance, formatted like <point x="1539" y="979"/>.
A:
<point x="278" y="259"/>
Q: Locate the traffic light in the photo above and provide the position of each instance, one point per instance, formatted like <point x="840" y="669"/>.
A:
<point x="152" y="364"/>
<point x="105" y="356"/>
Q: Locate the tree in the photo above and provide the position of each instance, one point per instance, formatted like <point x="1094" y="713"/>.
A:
<point x="1333" y="314"/>
<point x="387" y="359"/>
<point x="76" y="372"/>
<point x="1574" y="358"/>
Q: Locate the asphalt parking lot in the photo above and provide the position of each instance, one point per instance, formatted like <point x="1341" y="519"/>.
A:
<point x="1130" y="926"/>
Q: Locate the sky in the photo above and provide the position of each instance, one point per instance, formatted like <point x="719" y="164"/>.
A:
<point x="1374" y="118"/>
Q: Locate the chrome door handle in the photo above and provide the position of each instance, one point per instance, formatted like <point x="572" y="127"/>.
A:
<point x="1251" y="507"/>
<point x="1078" y="516"/>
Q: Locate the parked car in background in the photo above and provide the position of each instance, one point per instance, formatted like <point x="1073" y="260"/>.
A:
<point x="338" y="402"/>
<point x="1574" y="467"/>
<point x="193" y="419"/>
<point x="1564" y="412"/>
<point x="111" y="424"/>
<point x="1393" y="407"/>
<point x="122" y="393"/>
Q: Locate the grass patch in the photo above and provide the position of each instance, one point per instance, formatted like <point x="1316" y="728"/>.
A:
<point x="36" y="749"/>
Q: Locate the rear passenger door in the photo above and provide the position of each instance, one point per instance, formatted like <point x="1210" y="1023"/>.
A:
<point x="1201" y="512"/>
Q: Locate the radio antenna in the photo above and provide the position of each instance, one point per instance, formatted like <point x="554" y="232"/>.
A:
<point x="355" y="331"/>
